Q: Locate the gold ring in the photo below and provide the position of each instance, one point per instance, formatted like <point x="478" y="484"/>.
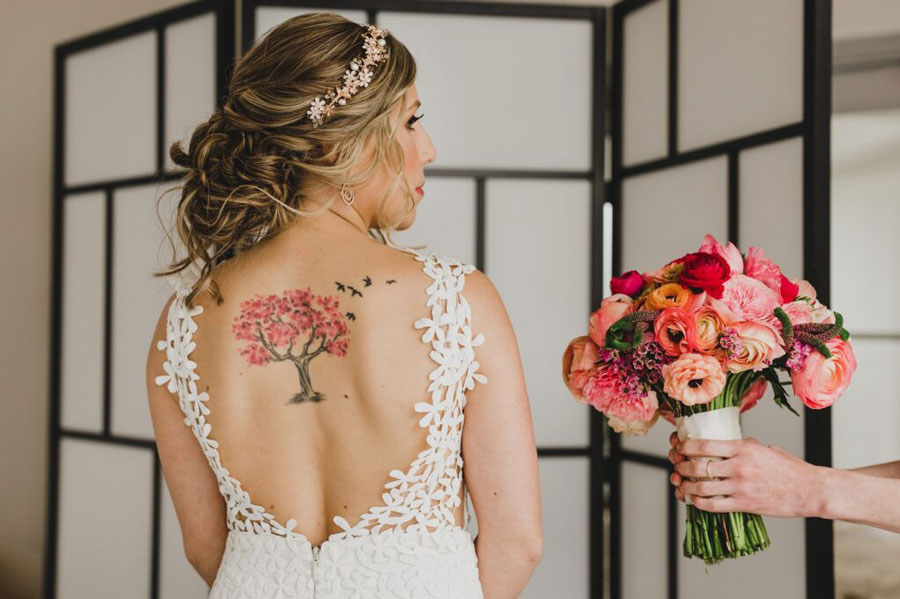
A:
<point x="708" y="473"/>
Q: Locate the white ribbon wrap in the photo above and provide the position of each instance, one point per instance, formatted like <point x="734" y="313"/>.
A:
<point x="723" y="424"/>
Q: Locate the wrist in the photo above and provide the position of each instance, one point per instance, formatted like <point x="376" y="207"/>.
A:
<point x="824" y="496"/>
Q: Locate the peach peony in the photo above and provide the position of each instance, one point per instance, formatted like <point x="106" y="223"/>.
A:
<point x="762" y="269"/>
<point x="730" y="252"/>
<point x="676" y="330"/>
<point x="808" y="311"/>
<point x="611" y="309"/>
<point x="693" y="379"/>
<point x="602" y="387"/>
<point x="632" y="428"/>
<point x="805" y="289"/>
<point x="668" y="295"/>
<point x="760" y="344"/>
<point x="578" y="365"/>
<point x="633" y="410"/>
<point x="750" y="299"/>
<point x="753" y="394"/>
<point x="820" y="381"/>
<point x="710" y="324"/>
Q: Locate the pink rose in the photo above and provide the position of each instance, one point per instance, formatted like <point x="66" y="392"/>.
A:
<point x="820" y="381"/>
<point x="731" y="254"/>
<point x="629" y="283"/>
<point x="675" y="330"/>
<point x="611" y="309"/>
<point x="693" y="379"/>
<point x="760" y="343"/>
<point x="805" y="289"/>
<point x="578" y="365"/>
<point x="761" y="268"/>
<point x="805" y="312"/>
<point x="753" y="393"/>
<point x="750" y="299"/>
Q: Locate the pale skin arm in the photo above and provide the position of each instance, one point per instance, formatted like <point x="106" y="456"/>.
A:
<point x="192" y="484"/>
<point x="770" y="481"/>
<point x="499" y="452"/>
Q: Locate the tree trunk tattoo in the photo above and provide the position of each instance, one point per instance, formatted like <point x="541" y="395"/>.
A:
<point x="274" y="325"/>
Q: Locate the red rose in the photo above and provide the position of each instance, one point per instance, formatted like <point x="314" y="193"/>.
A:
<point x="789" y="290"/>
<point x="630" y="283"/>
<point x="705" y="271"/>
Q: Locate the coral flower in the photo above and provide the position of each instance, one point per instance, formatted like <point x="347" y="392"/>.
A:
<point x="820" y="381"/>
<point x="667" y="296"/>
<point x="760" y="343"/>
<point x="710" y="324"/>
<point x="676" y="331"/>
<point x="578" y="365"/>
<point x="693" y="379"/>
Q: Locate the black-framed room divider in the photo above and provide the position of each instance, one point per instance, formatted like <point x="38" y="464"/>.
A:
<point x="523" y="187"/>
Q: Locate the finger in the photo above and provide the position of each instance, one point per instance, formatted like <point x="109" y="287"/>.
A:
<point x="707" y="447"/>
<point x="675" y="479"/>
<point x="675" y="457"/>
<point x="698" y="469"/>
<point x="673" y="439"/>
<point x="678" y="494"/>
<point x="707" y="488"/>
<point x="716" y="504"/>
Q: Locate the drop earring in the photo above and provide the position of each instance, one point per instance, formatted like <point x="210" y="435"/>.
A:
<point x="346" y="194"/>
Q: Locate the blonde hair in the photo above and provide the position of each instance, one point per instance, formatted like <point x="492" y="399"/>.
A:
<point x="256" y="159"/>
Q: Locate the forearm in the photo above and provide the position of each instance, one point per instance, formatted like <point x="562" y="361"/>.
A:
<point x="856" y="497"/>
<point x="886" y="470"/>
<point x="504" y="566"/>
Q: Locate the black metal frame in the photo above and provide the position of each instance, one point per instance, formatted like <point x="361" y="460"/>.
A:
<point x="814" y="130"/>
<point x="224" y="11"/>
<point x="597" y="16"/>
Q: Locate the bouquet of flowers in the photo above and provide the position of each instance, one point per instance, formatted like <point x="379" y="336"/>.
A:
<point x="698" y="342"/>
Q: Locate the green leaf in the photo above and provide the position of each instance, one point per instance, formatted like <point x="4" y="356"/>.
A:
<point x="781" y="397"/>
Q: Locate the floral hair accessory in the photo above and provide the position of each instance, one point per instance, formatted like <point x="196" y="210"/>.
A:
<point x="358" y="75"/>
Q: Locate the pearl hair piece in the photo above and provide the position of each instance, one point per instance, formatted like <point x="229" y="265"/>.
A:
<point x="358" y="75"/>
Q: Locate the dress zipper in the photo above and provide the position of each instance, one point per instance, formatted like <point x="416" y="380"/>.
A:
<point x="315" y="552"/>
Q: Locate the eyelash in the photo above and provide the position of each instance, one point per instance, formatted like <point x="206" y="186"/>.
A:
<point x="413" y="119"/>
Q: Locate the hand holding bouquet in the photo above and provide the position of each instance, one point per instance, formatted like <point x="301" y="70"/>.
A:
<point x="698" y="342"/>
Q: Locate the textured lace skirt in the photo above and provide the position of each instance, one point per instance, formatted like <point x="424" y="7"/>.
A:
<point x="402" y="565"/>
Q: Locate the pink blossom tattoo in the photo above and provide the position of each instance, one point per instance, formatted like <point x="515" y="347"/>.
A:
<point x="273" y="325"/>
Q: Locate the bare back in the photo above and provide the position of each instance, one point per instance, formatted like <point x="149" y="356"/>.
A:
<point x="314" y="370"/>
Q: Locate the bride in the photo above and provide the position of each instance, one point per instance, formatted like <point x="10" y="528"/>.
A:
<point x="324" y="400"/>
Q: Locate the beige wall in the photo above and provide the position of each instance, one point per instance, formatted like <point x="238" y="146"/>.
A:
<point x="28" y="32"/>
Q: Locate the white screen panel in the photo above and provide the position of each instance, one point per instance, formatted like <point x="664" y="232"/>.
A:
<point x="665" y="214"/>
<point x="645" y="492"/>
<point x="445" y="219"/>
<point x="270" y="16"/>
<point x="478" y="94"/>
<point x="864" y="214"/>
<point x="83" y="312"/>
<point x="564" y="569"/>
<point x="137" y="299"/>
<point x="645" y="83"/>
<point x="865" y="417"/>
<point x="537" y="254"/>
<point x="110" y="111"/>
<point x="770" y="203"/>
<point x="177" y="578"/>
<point x="105" y="520"/>
<point x="778" y="571"/>
<point x="190" y="78"/>
<point x="740" y="68"/>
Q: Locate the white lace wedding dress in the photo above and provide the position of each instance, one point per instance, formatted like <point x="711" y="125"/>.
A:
<point x="430" y="558"/>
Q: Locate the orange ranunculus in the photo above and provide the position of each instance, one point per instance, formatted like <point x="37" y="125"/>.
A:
<point x="667" y="296"/>
<point x="676" y="331"/>
<point x="693" y="379"/>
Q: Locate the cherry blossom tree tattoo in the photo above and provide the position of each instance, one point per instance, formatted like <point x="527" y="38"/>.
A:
<point x="276" y="325"/>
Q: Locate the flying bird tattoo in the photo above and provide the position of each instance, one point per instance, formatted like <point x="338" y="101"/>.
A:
<point x="351" y="315"/>
<point x="354" y="291"/>
<point x="391" y="281"/>
<point x="367" y="280"/>
<point x="340" y="286"/>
